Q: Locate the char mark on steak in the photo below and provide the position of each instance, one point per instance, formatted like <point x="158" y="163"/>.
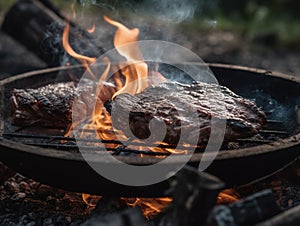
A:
<point x="167" y="102"/>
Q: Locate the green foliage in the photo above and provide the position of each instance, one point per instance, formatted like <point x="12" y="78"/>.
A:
<point x="258" y="18"/>
<point x="6" y="4"/>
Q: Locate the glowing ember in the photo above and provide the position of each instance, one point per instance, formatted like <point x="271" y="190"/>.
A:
<point x="227" y="196"/>
<point x="153" y="206"/>
<point x="91" y="29"/>
<point x="90" y="200"/>
<point x="149" y="206"/>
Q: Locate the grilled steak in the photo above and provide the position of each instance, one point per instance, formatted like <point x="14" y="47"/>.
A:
<point x="169" y="101"/>
<point x="51" y="105"/>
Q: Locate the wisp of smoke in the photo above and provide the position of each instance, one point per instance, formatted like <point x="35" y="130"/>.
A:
<point x="174" y="11"/>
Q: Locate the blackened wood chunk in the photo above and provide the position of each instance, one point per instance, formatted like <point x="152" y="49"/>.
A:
<point x="290" y="217"/>
<point x="247" y="212"/>
<point x="129" y="217"/>
<point x="194" y="195"/>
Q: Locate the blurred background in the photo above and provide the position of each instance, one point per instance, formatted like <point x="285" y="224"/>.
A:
<point x="263" y="34"/>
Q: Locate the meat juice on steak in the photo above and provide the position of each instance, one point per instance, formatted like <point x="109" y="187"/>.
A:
<point x="168" y="101"/>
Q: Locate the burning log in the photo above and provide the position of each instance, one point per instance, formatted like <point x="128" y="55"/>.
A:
<point x="194" y="195"/>
<point x="290" y="217"/>
<point x="249" y="211"/>
<point x="38" y="25"/>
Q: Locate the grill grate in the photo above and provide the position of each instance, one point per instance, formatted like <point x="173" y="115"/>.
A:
<point x="272" y="131"/>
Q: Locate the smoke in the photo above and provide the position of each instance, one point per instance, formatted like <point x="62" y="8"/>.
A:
<point x="174" y="11"/>
<point x="87" y="2"/>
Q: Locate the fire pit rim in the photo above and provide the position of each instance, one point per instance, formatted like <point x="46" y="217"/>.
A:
<point x="293" y="141"/>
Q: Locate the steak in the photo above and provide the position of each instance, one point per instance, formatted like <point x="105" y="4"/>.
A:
<point x="171" y="102"/>
<point x="51" y="105"/>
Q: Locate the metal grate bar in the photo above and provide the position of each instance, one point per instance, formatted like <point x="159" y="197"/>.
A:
<point x="92" y="140"/>
<point x="274" y="132"/>
<point x="69" y="143"/>
<point x="100" y="149"/>
<point x="252" y="140"/>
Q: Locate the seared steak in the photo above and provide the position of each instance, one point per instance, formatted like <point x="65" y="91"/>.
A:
<point x="171" y="102"/>
<point x="51" y="105"/>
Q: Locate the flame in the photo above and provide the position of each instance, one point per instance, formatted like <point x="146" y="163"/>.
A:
<point x="86" y="61"/>
<point x="131" y="78"/>
<point x="227" y="196"/>
<point x="152" y="206"/>
<point x="91" y="29"/>
<point x="90" y="200"/>
<point x="136" y="73"/>
<point x="149" y="206"/>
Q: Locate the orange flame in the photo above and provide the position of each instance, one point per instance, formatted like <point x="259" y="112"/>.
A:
<point x="137" y="72"/>
<point x="90" y="200"/>
<point x="149" y="206"/>
<point x="227" y="196"/>
<point x="86" y="61"/>
<point x="70" y="50"/>
<point x="153" y="206"/>
<point x="91" y="29"/>
<point x="131" y="78"/>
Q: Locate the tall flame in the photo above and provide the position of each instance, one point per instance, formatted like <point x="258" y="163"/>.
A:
<point x="137" y="72"/>
<point x="85" y="60"/>
<point x="132" y="78"/>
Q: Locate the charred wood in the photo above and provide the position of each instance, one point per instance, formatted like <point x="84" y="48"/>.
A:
<point x="38" y="25"/>
<point x="194" y="195"/>
<point x="128" y="217"/>
<point x="290" y="217"/>
<point x="247" y="212"/>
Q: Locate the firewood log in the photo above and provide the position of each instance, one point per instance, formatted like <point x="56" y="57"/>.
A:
<point x="38" y="25"/>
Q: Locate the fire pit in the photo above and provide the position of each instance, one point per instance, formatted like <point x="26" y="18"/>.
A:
<point x="38" y="154"/>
